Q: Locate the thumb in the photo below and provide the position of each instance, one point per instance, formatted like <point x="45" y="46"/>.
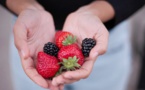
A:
<point x="102" y="43"/>
<point x="20" y="39"/>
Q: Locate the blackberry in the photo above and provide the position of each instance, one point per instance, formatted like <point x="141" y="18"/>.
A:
<point x="51" y="49"/>
<point x="87" y="45"/>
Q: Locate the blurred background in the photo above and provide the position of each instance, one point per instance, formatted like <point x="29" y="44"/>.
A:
<point x="136" y="24"/>
<point x="5" y="32"/>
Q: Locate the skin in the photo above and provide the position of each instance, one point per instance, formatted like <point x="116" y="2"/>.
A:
<point x="35" y="27"/>
<point x="85" y="23"/>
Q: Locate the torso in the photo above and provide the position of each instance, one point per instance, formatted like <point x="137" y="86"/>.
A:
<point x="61" y="8"/>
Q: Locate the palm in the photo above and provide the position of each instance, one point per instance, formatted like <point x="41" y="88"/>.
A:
<point x="38" y="29"/>
<point x="82" y="26"/>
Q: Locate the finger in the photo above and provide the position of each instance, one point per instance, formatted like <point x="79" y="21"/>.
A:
<point x="102" y="41"/>
<point x="52" y="87"/>
<point x="20" y="39"/>
<point x="84" y="71"/>
<point x="61" y="87"/>
<point x="80" y="73"/>
<point x="28" y="66"/>
<point x="61" y="80"/>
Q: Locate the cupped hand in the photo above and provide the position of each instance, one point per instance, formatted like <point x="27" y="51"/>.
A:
<point x="32" y="30"/>
<point x="84" y="25"/>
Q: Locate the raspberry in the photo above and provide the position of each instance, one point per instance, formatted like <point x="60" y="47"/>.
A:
<point x="87" y="45"/>
<point x="51" y="49"/>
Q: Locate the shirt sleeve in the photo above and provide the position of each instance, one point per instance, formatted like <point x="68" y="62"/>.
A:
<point x="3" y="3"/>
<point x="124" y="9"/>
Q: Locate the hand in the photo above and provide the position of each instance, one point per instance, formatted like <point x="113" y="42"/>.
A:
<point x="84" y="25"/>
<point x="32" y="30"/>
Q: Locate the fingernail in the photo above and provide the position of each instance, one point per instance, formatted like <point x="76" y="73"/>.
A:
<point x="53" y="82"/>
<point x="95" y="54"/>
<point x="67" y="76"/>
<point x="23" y="55"/>
<point x="61" y="87"/>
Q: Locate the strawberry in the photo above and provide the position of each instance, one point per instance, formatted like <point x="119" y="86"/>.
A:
<point x="63" y="38"/>
<point x="71" y="57"/>
<point x="47" y="66"/>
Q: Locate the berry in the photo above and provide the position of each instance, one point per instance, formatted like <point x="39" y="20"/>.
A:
<point x="51" y="49"/>
<point x="71" y="57"/>
<point x="87" y="45"/>
<point x="47" y="66"/>
<point x="63" y="38"/>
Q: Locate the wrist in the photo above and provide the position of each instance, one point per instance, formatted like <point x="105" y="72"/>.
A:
<point x="101" y="9"/>
<point x="85" y="12"/>
<point x="18" y="6"/>
<point x="33" y="7"/>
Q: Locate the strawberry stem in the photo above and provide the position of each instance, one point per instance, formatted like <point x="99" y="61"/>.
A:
<point x="59" y="71"/>
<point x="69" y="40"/>
<point x="71" y="63"/>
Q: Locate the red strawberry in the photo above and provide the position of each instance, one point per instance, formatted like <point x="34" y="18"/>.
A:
<point x="47" y="66"/>
<point x="63" y="38"/>
<point x="71" y="57"/>
<point x="57" y="34"/>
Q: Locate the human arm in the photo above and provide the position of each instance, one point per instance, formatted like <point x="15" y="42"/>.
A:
<point x="87" y="22"/>
<point x="31" y="32"/>
<point x="101" y="9"/>
<point x="17" y="6"/>
<point x="125" y="8"/>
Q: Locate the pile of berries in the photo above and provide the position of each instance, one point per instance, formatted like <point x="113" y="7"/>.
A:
<point x="63" y="55"/>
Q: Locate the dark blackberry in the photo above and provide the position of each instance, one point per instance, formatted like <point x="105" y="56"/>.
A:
<point x="51" y="49"/>
<point x="87" y="45"/>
